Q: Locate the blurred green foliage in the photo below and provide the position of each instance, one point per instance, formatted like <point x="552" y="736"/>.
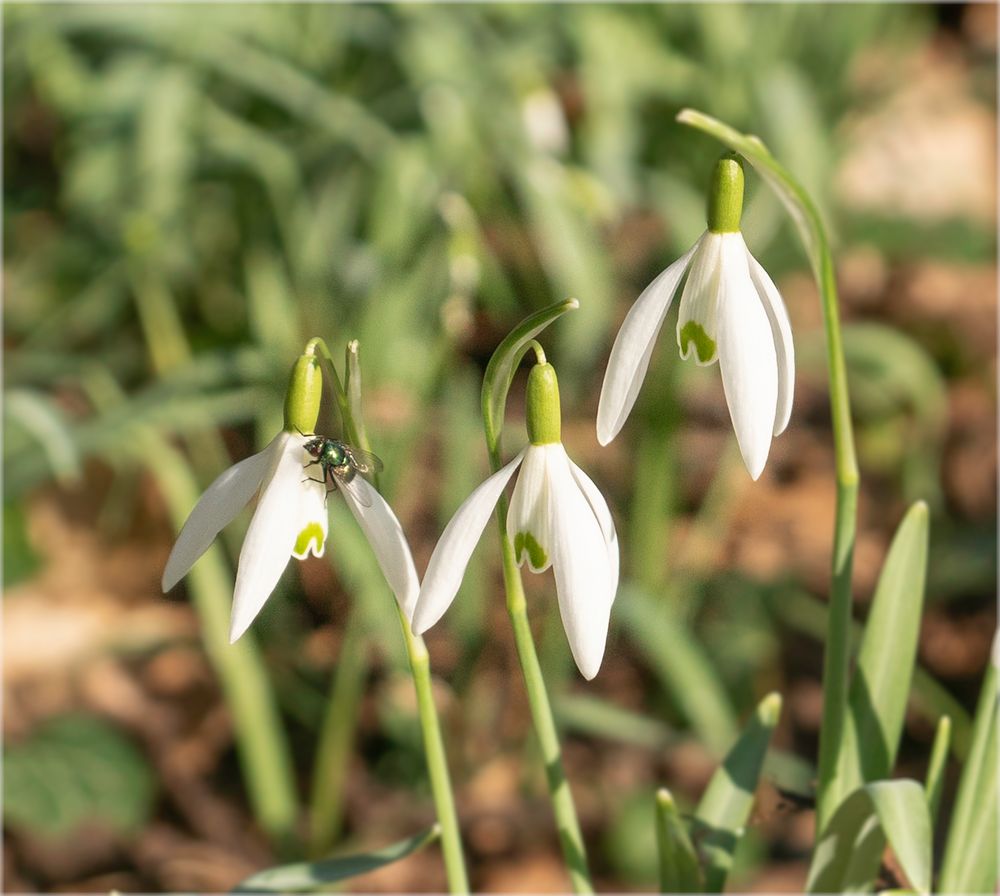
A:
<point x="76" y="771"/>
<point x="191" y="192"/>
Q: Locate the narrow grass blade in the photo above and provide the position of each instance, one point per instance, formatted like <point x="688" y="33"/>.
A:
<point x="970" y="856"/>
<point x="849" y="852"/>
<point x="678" y="862"/>
<point x="312" y="877"/>
<point x="725" y="807"/>
<point x="936" y="766"/>
<point x="681" y="664"/>
<point x="503" y="364"/>
<point x="881" y="682"/>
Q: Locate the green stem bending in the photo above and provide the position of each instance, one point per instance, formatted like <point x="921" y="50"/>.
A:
<point x="836" y="663"/>
<point x="416" y="651"/>
<point x="563" y="807"/>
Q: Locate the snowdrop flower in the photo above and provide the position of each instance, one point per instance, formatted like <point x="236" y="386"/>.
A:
<point x="730" y="311"/>
<point x="291" y="514"/>
<point x="557" y="518"/>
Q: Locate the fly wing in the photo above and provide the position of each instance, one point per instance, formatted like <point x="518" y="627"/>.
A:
<point x="365" y="462"/>
<point x="350" y="485"/>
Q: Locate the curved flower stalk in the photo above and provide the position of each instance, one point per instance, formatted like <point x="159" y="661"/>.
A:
<point x="291" y="517"/>
<point x="557" y="518"/>
<point x="730" y="312"/>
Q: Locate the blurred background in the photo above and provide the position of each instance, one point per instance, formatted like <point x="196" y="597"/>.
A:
<point x="192" y="192"/>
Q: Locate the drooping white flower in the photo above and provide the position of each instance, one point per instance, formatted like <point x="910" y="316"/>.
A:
<point x="290" y="520"/>
<point x="557" y="518"/>
<point x="730" y="312"/>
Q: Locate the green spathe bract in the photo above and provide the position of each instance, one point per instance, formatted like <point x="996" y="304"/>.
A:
<point x="543" y="414"/>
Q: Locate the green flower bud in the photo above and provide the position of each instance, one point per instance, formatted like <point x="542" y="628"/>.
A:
<point x="544" y="422"/>
<point x="725" y="195"/>
<point x="305" y="390"/>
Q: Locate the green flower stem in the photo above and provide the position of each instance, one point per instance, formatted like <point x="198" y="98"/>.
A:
<point x="416" y="650"/>
<point x="496" y="383"/>
<point x="563" y="807"/>
<point x="836" y="662"/>
<point x="437" y="762"/>
<point x="570" y="836"/>
<point x="336" y="737"/>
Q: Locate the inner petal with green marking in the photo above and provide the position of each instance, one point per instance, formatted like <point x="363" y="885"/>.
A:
<point x="704" y="345"/>
<point x="312" y="536"/>
<point x="525" y="542"/>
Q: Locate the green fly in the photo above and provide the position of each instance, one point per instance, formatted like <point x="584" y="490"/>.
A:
<point x="340" y="463"/>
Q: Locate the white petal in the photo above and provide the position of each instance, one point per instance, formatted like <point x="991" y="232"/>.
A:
<point x="529" y="517"/>
<point x="385" y="535"/>
<point x="215" y="510"/>
<point x="697" y="317"/>
<point x="271" y="535"/>
<point x="747" y="359"/>
<point x="633" y="348"/>
<point x="781" y="332"/>
<point x="314" y="520"/>
<point x="600" y="507"/>
<point x="451" y="556"/>
<point x="580" y="563"/>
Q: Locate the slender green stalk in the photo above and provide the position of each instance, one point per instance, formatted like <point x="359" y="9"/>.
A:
<point x="416" y="651"/>
<point x="496" y="383"/>
<point x="836" y="661"/>
<point x="570" y="836"/>
<point x="336" y="737"/>
<point x="437" y="762"/>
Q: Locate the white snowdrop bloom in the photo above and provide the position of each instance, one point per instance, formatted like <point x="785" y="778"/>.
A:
<point x="290" y="519"/>
<point x="730" y="312"/>
<point x="557" y="518"/>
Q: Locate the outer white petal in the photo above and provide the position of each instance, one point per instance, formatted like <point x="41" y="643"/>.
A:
<point x="582" y="569"/>
<point x="633" y="348"/>
<point x="385" y="535"/>
<point x="451" y="556"/>
<point x="781" y="331"/>
<point x="600" y="507"/>
<point x="314" y="520"/>
<point x="222" y="500"/>
<point x="529" y="512"/>
<point x="700" y="299"/>
<point x="747" y="359"/>
<point x="271" y="535"/>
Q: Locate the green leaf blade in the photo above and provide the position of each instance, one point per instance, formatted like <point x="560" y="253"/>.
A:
<point x="881" y="683"/>
<point x="678" y="861"/>
<point x="849" y="852"/>
<point x="503" y="364"/>
<point x="970" y="856"/>
<point x="725" y="806"/>
<point x="311" y="877"/>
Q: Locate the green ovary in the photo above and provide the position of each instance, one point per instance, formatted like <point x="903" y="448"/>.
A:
<point x="525" y="541"/>
<point x="313" y="532"/>
<point x="704" y="344"/>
